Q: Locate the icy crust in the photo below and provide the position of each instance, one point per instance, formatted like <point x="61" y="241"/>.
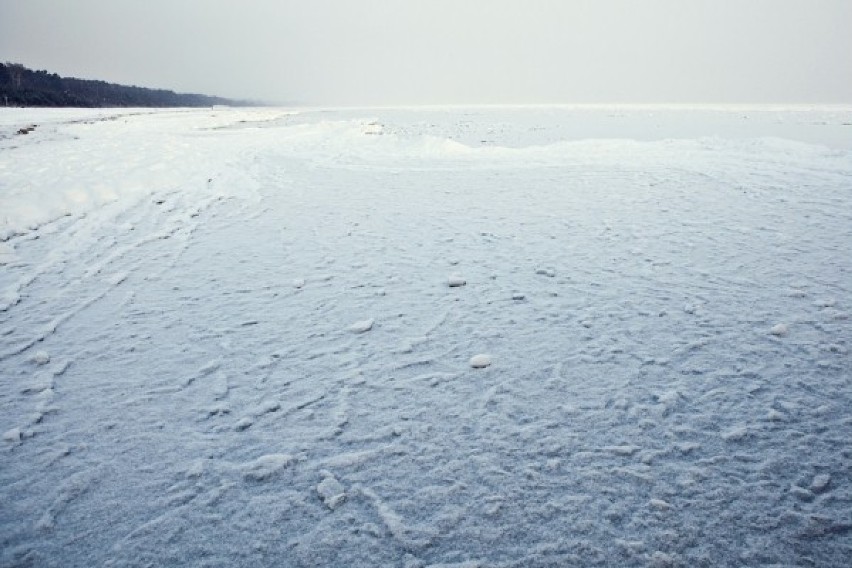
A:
<point x="644" y="360"/>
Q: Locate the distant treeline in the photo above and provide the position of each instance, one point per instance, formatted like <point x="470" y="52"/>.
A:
<point x="20" y="86"/>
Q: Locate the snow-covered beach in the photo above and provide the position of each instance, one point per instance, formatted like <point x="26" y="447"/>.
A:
<point x="496" y="336"/>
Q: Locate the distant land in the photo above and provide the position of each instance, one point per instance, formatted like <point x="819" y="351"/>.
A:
<point x="24" y="87"/>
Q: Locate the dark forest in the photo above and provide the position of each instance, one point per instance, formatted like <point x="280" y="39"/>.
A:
<point x="20" y="86"/>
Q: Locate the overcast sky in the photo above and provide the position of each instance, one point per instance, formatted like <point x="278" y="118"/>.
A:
<point x="446" y="51"/>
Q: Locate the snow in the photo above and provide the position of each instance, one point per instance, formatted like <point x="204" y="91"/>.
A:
<point x="231" y="337"/>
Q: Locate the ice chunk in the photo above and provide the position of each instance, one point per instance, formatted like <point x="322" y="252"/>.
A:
<point x="195" y="469"/>
<point x="14" y="435"/>
<point x="220" y="409"/>
<point x="362" y="326"/>
<point x="331" y="491"/>
<point x="266" y="407"/>
<point x="40" y="358"/>
<point x="623" y="450"/>
<point x="117" y="278"/>
<point x="662" y="560"/>
<point x="456" y="281"/>
<point x="735" y="434"/>
<point x="631" y="546"/>
<point x="801" y="493"/>
<point x="779" y="330"/>
<point x="820" y="482"/>
<point x="775" y="415"/>
<point x="9" y="299"/>
<point x="480" y="361"/>
<point x="266" y="466"/>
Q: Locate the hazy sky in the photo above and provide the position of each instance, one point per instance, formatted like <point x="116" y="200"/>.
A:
<point x="447" y="51"/>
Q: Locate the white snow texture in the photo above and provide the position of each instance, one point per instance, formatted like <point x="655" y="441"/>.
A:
<point x="259" y="337"/>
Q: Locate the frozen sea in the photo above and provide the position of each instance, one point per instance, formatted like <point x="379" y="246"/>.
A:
<point x="426" y="337"/>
